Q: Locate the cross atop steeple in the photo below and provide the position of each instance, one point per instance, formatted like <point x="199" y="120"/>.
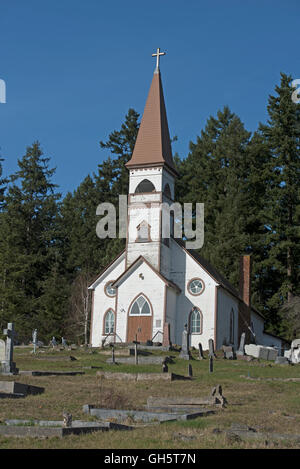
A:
<point x="157" y="55"/>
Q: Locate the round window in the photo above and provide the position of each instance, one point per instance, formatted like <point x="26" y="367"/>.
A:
<point x="109" y="290"/>
<point x="196" y="286"/>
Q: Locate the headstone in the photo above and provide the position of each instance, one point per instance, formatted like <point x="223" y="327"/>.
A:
<point x="53" y="342"/>
<point x="2" y="350"/>
<point x="113" y="353"/>
<point x="63" y="342"/>
<point x="166" y="337"/>
<point x="201" y="356"/>
<point x="261" y="352"/>
<point x="190" y="371"/>
<point x="165" y="368"/>
<point x="211" y="348"/>
<point x="228" y="352"/>
<point x="282" y="361"/>
<point x="136" y="350"/>
<point x="295" y="351"/>
<point x="185" y="347"/>
<point x="67" y="422"/>
<point x="241" y="350"/>
<point x="34" y="340"/>
<point x="211" y="364"/>
<point x="8" y="366"/>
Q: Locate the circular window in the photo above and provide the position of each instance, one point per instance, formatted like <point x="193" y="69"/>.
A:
<point x="196" y="286"/>
<point x="109" y="290"/>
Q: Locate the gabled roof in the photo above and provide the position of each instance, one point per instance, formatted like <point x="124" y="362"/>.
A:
<point x="98" y="277"/>
<point x="213" y="273"/>
<point x="141" y="259"/>
<point x="153" y="145"/>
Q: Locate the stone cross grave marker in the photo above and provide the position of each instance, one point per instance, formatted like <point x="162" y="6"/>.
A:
<point x="185" y="347"/>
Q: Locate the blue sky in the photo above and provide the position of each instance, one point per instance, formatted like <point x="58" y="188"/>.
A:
<point x="73" y="68"/>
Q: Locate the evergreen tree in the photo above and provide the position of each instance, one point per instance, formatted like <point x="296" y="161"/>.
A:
<point x="215" y="172"/>
<point x="282" y="134"/>
<point x="28" y="234"/>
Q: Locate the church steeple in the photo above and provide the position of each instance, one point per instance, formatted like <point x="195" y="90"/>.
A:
<point x="153" y="145"/>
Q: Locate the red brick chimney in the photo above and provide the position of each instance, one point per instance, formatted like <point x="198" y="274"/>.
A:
<point x="245" y="279"/>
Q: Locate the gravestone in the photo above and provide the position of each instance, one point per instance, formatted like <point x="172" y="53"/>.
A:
<point x="241" y="350"/>
<point x="34" y="340"/>
<point x="201" y="356"/>
<point x="211" y="348"/>
<point x="165" y="368"/>
<point x="64" y="342"/>
<point x="136" y="342"/>
<point x="8" y="366"/>
<point x="113" y="353"/>
<point x="228" y="352"/>
<point x="185" y="348"/>
<point x="166" y="337"/>
<point x="190" y="371"/>
<point x="2" y="350"/>
<point x="211" y="364"/>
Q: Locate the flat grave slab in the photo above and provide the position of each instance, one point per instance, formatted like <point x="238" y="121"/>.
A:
<point x="141" y="376"/>
<point x="12" y="387"/>
<point x="143" y="416"/>
<point x="51" y="373"/>
<point x="152" y="360"/>
<point x="54" y="428"/>
<point x="10" y="395"/>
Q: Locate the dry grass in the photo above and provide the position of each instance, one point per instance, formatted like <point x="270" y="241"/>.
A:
<point x="269" y="406"/>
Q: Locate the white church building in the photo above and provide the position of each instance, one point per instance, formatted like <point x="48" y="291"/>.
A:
<point x="155" y="285"/>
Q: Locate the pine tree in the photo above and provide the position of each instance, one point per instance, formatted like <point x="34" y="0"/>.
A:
<point x="282" y="134"/>
<point x="28" y="233"/>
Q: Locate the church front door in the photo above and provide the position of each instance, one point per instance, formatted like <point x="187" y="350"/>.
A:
<point x="140" y="326"/>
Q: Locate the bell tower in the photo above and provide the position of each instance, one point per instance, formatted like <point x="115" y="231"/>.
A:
<point x="151" y="181"/>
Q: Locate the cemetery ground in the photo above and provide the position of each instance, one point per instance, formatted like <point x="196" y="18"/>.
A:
<point x="269" y="406"/>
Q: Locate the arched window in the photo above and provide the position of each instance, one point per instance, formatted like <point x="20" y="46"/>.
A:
<point x="167" y="191"/>
<point x="109" y="322"/>
<point x="140" y="307"/>
<point x="231" y="325"/>
<point x="196" y="321"/>
<point x="143" y="232"/>
<point x="144" y="186"/>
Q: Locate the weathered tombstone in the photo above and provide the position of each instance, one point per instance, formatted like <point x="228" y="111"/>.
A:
<point x="241" y="350"/>
<point x="2" y="350"/>
<point x="211" y="348"/>
<point x="53" y="342"/>
<point x="67" y="422"/>
<point x="8" y="366"/>
<point x="63" y="342"/>
<point x="113" y="353"/>
<point x="228" y="352"/>
<point x="165" y="368"/>
<point x="201" y="356"/>
<point x="34" y="340"/>
<point x="185" y="347"/>
<point x="166" y="337"/>
<point x="190" y="371"/>
<point x="211" y="364"/>
<point x="136" y="350"/>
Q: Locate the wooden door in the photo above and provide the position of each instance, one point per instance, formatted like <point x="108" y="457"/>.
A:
<point x="140" y="326"/>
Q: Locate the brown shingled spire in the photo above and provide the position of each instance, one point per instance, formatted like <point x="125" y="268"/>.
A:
<point x="153" y="146"/>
